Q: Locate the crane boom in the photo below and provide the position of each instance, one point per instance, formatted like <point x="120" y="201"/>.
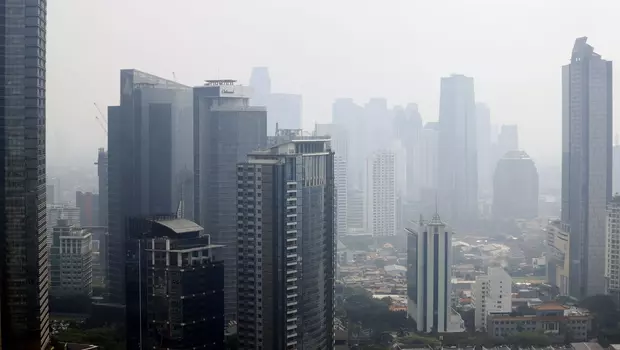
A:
<point x="100" y="112"/>
<point x="101" y="125"/>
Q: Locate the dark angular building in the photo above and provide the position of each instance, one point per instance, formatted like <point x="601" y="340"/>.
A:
<point x="515" y="187"/>
<point x="286" y="235"/>
<point x="226" y="129"/>
<point x="150" y="146"/>
<point x="174" y="287"/>
<point x="24" y="275"/>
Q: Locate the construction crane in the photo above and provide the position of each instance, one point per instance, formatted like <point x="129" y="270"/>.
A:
<point x="101" y="124"/>
<point x="100" y="113"/>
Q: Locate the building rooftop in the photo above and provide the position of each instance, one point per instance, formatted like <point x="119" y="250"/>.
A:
<point x="180" y="225"/>
<point x="550" y="306"/>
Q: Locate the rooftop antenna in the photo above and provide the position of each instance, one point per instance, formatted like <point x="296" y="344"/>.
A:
<point x="436" y="212"/>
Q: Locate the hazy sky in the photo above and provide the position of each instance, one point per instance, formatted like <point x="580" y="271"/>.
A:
<point x="324" y="49"/>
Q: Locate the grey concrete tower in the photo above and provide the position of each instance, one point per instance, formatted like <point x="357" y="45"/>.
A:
<point x="586" y="164"/>
<point x="226" y="129"/>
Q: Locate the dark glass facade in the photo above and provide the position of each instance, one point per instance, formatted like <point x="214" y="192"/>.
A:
<point x="149" y="140"/>
<point x="24" y="280"/>
<point x="175" y="289"/>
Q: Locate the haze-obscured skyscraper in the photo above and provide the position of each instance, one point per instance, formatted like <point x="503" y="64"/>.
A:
<point x="260" y="82"/>
<point x="287" y="247"/>
<point x="381" y="193"/>
<point x="88" y="203"/>
<point x="150" y="145"/>
<point x="226" y="129"/>
<point x="507" y="140"/>
<point x="346" y="113"/>
<point x="515" y="187"/>
<point x="102" y="174"/>
<point x="407" y="128"/>
<point x="24" y="274"/>
<point x="458" y="166"/>
<point x="586" y="164"/>
<point x="483" y="136"/>
<point x="284" y="110"/>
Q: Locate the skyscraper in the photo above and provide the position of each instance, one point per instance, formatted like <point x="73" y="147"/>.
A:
<point x="284" y="110"/>
<point x="483" y="136"/>
<point x="175" y="288"/>
<point x="340" y="146"/>
<point x="88" y="204"/>
<point x="226" y="129"/>
<point x="616" y="168"/>
<point x="150" y="146"/>
<point x="507" y="140"/>
<point x="429" y="278"/>
<point x="102" y="174"/>
<point x="260" y="82"/>
<point x="458" y="167"/>
<point x="612" y="252"/>
<point x="515" y="187"/>
<point x="24" y="280"/>
<point x="286" y="247"/>
<point x="351" y="116"/>
<point x="586" y="164"/>
<point x="408" y="126"/>
<point x="381" y="193"/>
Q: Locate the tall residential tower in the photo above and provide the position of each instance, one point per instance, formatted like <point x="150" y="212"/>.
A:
<point x="285" y="228"/>
<point x="586" y="164"/>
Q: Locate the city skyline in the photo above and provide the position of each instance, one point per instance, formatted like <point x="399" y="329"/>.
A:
<point x="503" y="70"/>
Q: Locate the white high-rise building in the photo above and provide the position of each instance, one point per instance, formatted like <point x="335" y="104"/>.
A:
<point x="429" y="278"/>
<point x="491" y="293"/>
<point x="612" y="254"/>
<point x="340" y="146"/>
<point x="381" y="193"/>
